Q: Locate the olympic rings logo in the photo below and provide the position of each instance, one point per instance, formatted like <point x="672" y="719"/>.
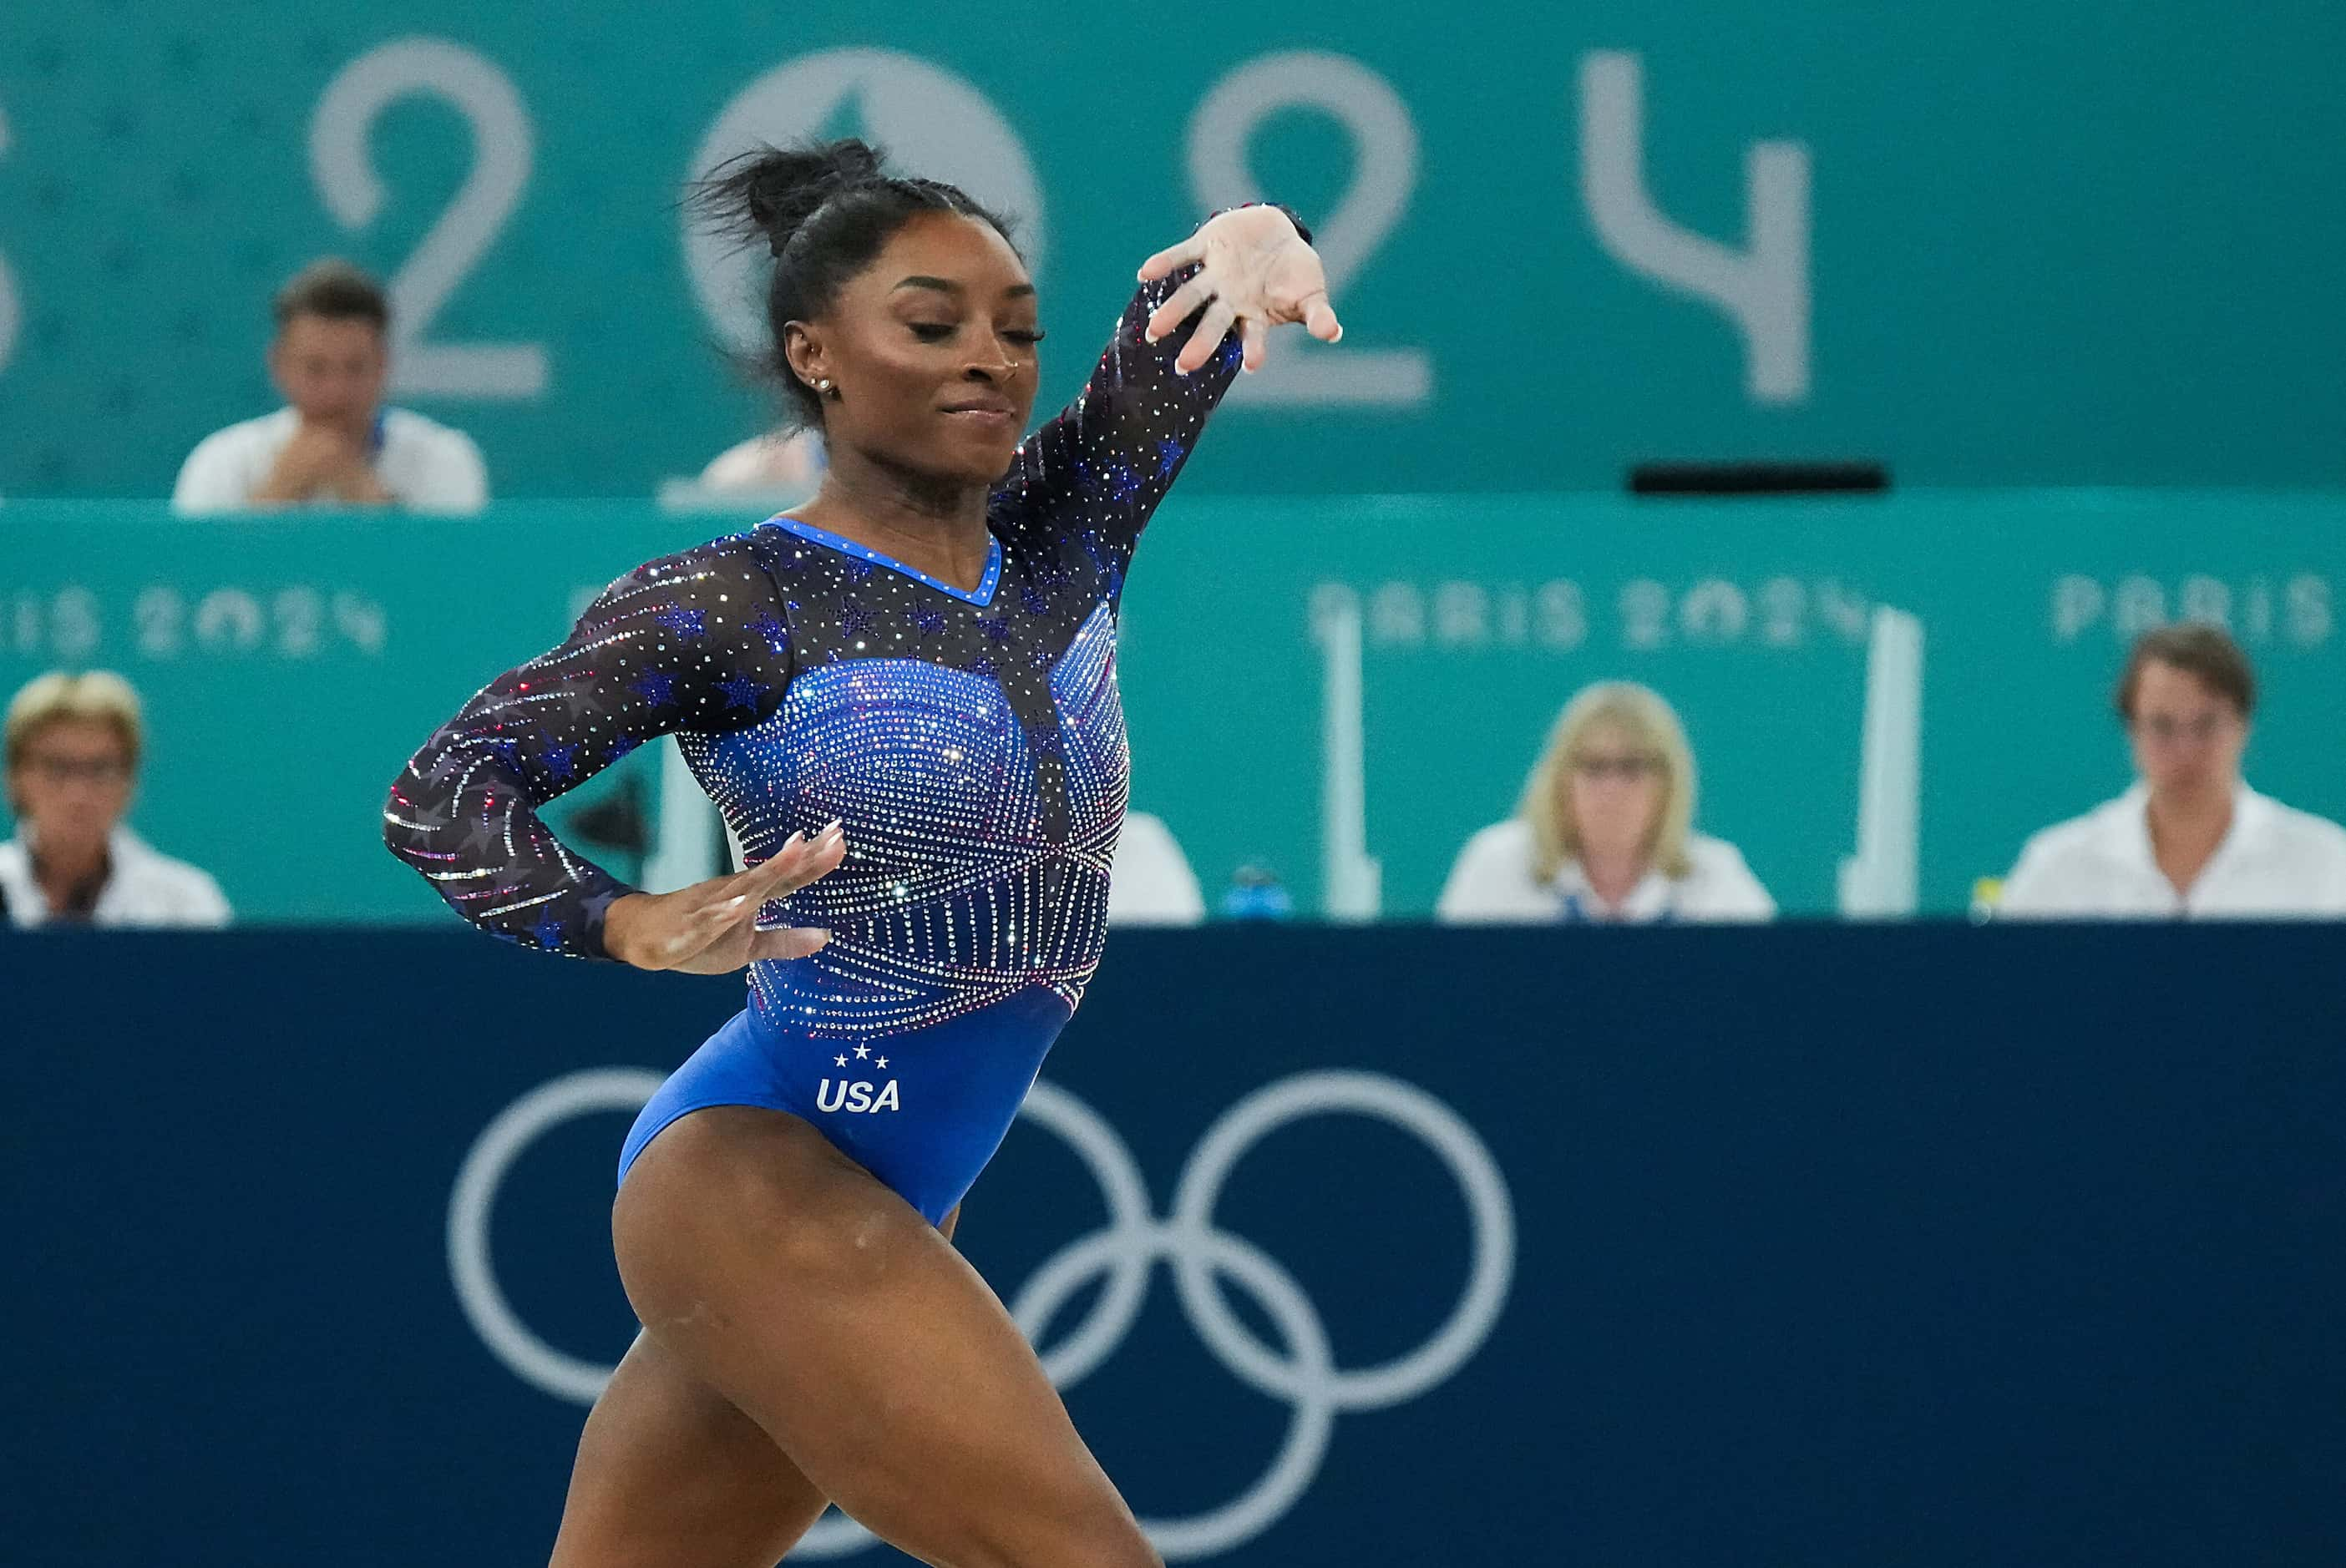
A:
<point x="1301" y="1373"/>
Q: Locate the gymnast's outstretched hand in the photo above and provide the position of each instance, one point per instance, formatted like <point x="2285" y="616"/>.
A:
<point x="1254" y="271"/>
<point x="712" y="927"/>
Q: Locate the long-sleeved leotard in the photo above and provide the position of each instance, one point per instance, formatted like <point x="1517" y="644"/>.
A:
<point x="972" y="743"/>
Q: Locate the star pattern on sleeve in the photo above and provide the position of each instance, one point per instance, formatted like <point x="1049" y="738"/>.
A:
<point x="700" y="635"/>
<point x="1097" y="472"/>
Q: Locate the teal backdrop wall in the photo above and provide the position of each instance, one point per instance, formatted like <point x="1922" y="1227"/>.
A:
<point x="1993" y="244"/>
<point x="292" y="664"/>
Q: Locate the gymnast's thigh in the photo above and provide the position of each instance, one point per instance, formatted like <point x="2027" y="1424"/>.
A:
<point x="670" y="1473"/>
<point x="788" y="1278"/>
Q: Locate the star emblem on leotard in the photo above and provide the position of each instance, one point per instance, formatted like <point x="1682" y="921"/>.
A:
<point x="1168" y="457"/>
<point x="839" y="1061"/>
<point x="929" y="618"/>
<point x="686" y="624"/>
<point x="863" y="1049"/>
<point x="997" y="628"/>
<point x="546" y="932"/>
<point x="854" y="620"/>
<point x="561" y="763"/>
<point x="655" y="687"/>
<point x="741" y="691"/>
<point x="883" y="1062"/>
<point x="776" y="635"/>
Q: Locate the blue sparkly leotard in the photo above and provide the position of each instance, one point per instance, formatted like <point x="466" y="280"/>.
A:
<point x="972" y="742"/>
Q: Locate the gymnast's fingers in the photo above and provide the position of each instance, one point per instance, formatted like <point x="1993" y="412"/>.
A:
<point x="1180" y="306"/>
<point x="1211" y="327"/>
<point x="788" y="941"/>
<point x="1319" y="318"/>
<point x="1252" y="331"/>
<point x="799" y="862"/>
<point x="1172" y="259"/>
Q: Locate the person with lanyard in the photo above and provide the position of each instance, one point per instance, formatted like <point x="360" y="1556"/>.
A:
<point x="334" y="442"/>
<point x="1605" y="831"/>
<point x="74" y="745"/>
<point x="902" y="696"/>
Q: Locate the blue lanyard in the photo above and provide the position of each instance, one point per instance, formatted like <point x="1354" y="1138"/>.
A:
<point x="1575" y="913"/>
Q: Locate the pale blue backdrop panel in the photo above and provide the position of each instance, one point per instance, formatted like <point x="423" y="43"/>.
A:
<point x="291" y="666"/>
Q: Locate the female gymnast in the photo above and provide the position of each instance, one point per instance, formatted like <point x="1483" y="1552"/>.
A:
<point x="902" y="696"/>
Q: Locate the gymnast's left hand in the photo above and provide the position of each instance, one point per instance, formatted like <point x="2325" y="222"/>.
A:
<point x="712" y="927"/>
<point x="1254" y="272"/>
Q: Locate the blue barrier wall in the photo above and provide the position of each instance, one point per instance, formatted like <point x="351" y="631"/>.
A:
<point x="1927" y="1245"/>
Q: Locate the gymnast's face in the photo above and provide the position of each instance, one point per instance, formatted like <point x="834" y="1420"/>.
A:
<point x="931" y="349"/>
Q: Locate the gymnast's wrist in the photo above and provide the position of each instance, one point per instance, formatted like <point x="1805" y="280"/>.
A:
<point x="623" y="927"/>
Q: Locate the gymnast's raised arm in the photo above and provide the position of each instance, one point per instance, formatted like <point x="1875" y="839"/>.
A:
<point x="1204" y="311"/>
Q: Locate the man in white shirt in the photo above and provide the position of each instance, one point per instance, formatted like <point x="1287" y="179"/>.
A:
<point x="334" y="444"/>
<point x="72" y="747"/>
<point x="2190" y="839"/>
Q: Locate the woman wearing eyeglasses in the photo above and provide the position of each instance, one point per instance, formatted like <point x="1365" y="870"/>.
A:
<point x="1604" y="829"/>
<point x="73" y="745"/>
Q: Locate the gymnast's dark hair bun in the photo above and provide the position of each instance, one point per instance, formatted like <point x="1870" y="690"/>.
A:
<point x="768" y="193"/>
<point x="823" y="210"/>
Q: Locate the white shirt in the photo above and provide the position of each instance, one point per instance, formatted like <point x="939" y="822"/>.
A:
<point x="1492" y="883"/>
<point x="1149" y="882"/>
<point x="790" y="461"/>
<point x="142" y="888"/>
<point x="2273" y="862"/>
<point x="425" y="466"/>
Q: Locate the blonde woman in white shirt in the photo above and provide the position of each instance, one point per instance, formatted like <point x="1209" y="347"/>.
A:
<point x="1605" y="830"/>
<point x="2190" y="839"/>
<point x="73" y="744"/>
